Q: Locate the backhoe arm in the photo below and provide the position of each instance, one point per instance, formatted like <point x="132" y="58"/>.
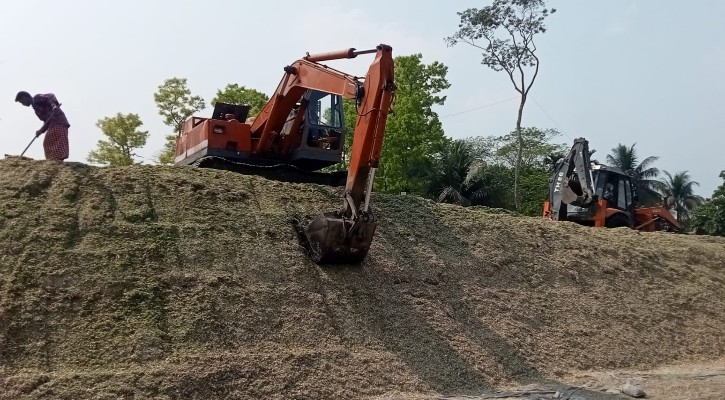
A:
<point x="572" y="180"/>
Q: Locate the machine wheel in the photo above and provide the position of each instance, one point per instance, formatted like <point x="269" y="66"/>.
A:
<point x="616" y="221"/>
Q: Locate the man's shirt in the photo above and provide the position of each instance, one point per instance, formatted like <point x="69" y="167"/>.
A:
<point x="43" y="105"/>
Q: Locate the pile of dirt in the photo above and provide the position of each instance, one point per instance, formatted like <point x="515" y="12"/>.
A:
<point x="171" y="282"/>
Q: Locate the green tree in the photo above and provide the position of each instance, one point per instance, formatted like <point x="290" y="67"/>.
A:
<point x="679" y="194"/>
<point x="241" y="95"/>
<point x="504" y="32"/>
<point x="537" y="147"/>
<point x="498" y="180"/>
<point x="499" y="155"/>
<point x="175" y="103"/>
<point x="709" y="218"/>
<point x="168" y="154"/>
<point x="643" y="173"/>
<point x="552" y="161"/>
<point x="124" y="136"/>
<point x="484" y="147"/>
<point x="457" y="175"/>
<point x="534" y="189"/>
<point x="413" y="131"/>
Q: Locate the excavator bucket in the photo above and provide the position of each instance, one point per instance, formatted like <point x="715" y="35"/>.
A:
<point x="569" y="196"/>
<point x="333" y="239"/>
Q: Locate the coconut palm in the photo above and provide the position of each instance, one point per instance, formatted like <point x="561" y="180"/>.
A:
<point x="679" y="195"/>
<point x="591" y="153"/>
<point x="643" y="174"/>
<point x="456" y="178"/>
<point x="552" y="161"/>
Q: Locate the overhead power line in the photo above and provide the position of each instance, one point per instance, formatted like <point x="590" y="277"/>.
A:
<point x="478" y="108"/>
<point x="551" y="119"/>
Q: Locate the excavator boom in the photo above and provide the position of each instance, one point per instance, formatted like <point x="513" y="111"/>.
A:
<point x="342" y="236"/>
<point x="299" y="77"/>
<point x="345" y="236"/>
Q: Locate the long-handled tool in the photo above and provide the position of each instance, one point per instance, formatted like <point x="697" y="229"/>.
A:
<point x="36" y="136"/>
<point x="26" y="149"/>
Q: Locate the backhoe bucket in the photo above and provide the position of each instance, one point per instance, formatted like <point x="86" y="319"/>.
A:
<point x="333" y="239"/>
<point x="568" y="196"/>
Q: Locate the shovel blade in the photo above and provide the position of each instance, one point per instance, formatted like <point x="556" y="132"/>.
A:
<point x="333" y="239"/>
<point x="569" y="197"/>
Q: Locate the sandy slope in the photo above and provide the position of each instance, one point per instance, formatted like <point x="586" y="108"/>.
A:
<point x="164" y="282"/>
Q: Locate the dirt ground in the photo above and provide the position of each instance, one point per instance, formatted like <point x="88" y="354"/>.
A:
<point x="169" y="282"/>
<point x="705" y="381"/>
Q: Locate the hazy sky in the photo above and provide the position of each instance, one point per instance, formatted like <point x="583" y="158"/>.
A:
<point x="616" y="71"/>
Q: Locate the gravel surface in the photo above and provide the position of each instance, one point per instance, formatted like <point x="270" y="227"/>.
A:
<point x="171" y="282"/>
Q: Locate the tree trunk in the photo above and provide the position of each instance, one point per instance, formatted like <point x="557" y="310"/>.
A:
<point x="519" y="154"/>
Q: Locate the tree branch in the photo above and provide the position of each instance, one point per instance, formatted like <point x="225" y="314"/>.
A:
<point x="495" y="55"/>
<point x="536" y="72"/>
<point x="518" y="60"/>
<point x="472" y="43"/>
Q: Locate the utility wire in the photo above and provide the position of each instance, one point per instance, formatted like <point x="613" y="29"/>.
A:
<point x="552" y="119"/>
<point x="509" y="99"/>
<point x="478" y="108"/>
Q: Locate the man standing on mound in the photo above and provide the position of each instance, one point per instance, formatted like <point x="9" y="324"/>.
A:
<point x="47" y="108"/>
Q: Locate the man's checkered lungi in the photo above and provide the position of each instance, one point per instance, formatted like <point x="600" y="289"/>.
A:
<point x="56" y="143"/>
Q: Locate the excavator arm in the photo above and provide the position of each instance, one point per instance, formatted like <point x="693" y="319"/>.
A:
<point x="571" y="183"/>
<point x="342" y="236"/>
<point x="299" y="77"/>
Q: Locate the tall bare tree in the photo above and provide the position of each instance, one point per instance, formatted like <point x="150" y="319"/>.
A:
<point x="505" y="32"/>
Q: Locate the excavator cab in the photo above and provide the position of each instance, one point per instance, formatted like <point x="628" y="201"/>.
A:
<point x="324" y="124"/>
<point x="616" y="189"/>
<point x="321" y="132"/>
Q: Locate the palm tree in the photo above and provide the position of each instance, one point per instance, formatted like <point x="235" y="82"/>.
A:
<point x="643" y="174"/>
<point x="679" y="194"/>
<point x="456" y="178"/>
<point x="552" y="161"/>
<point x="591" y="153"/>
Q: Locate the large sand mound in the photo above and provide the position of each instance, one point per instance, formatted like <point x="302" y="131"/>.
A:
<point x="168" y="282"/>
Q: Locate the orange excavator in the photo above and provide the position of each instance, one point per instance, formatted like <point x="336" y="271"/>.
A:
<point x="600" y="196"/>
<point x="298" y="132"/>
